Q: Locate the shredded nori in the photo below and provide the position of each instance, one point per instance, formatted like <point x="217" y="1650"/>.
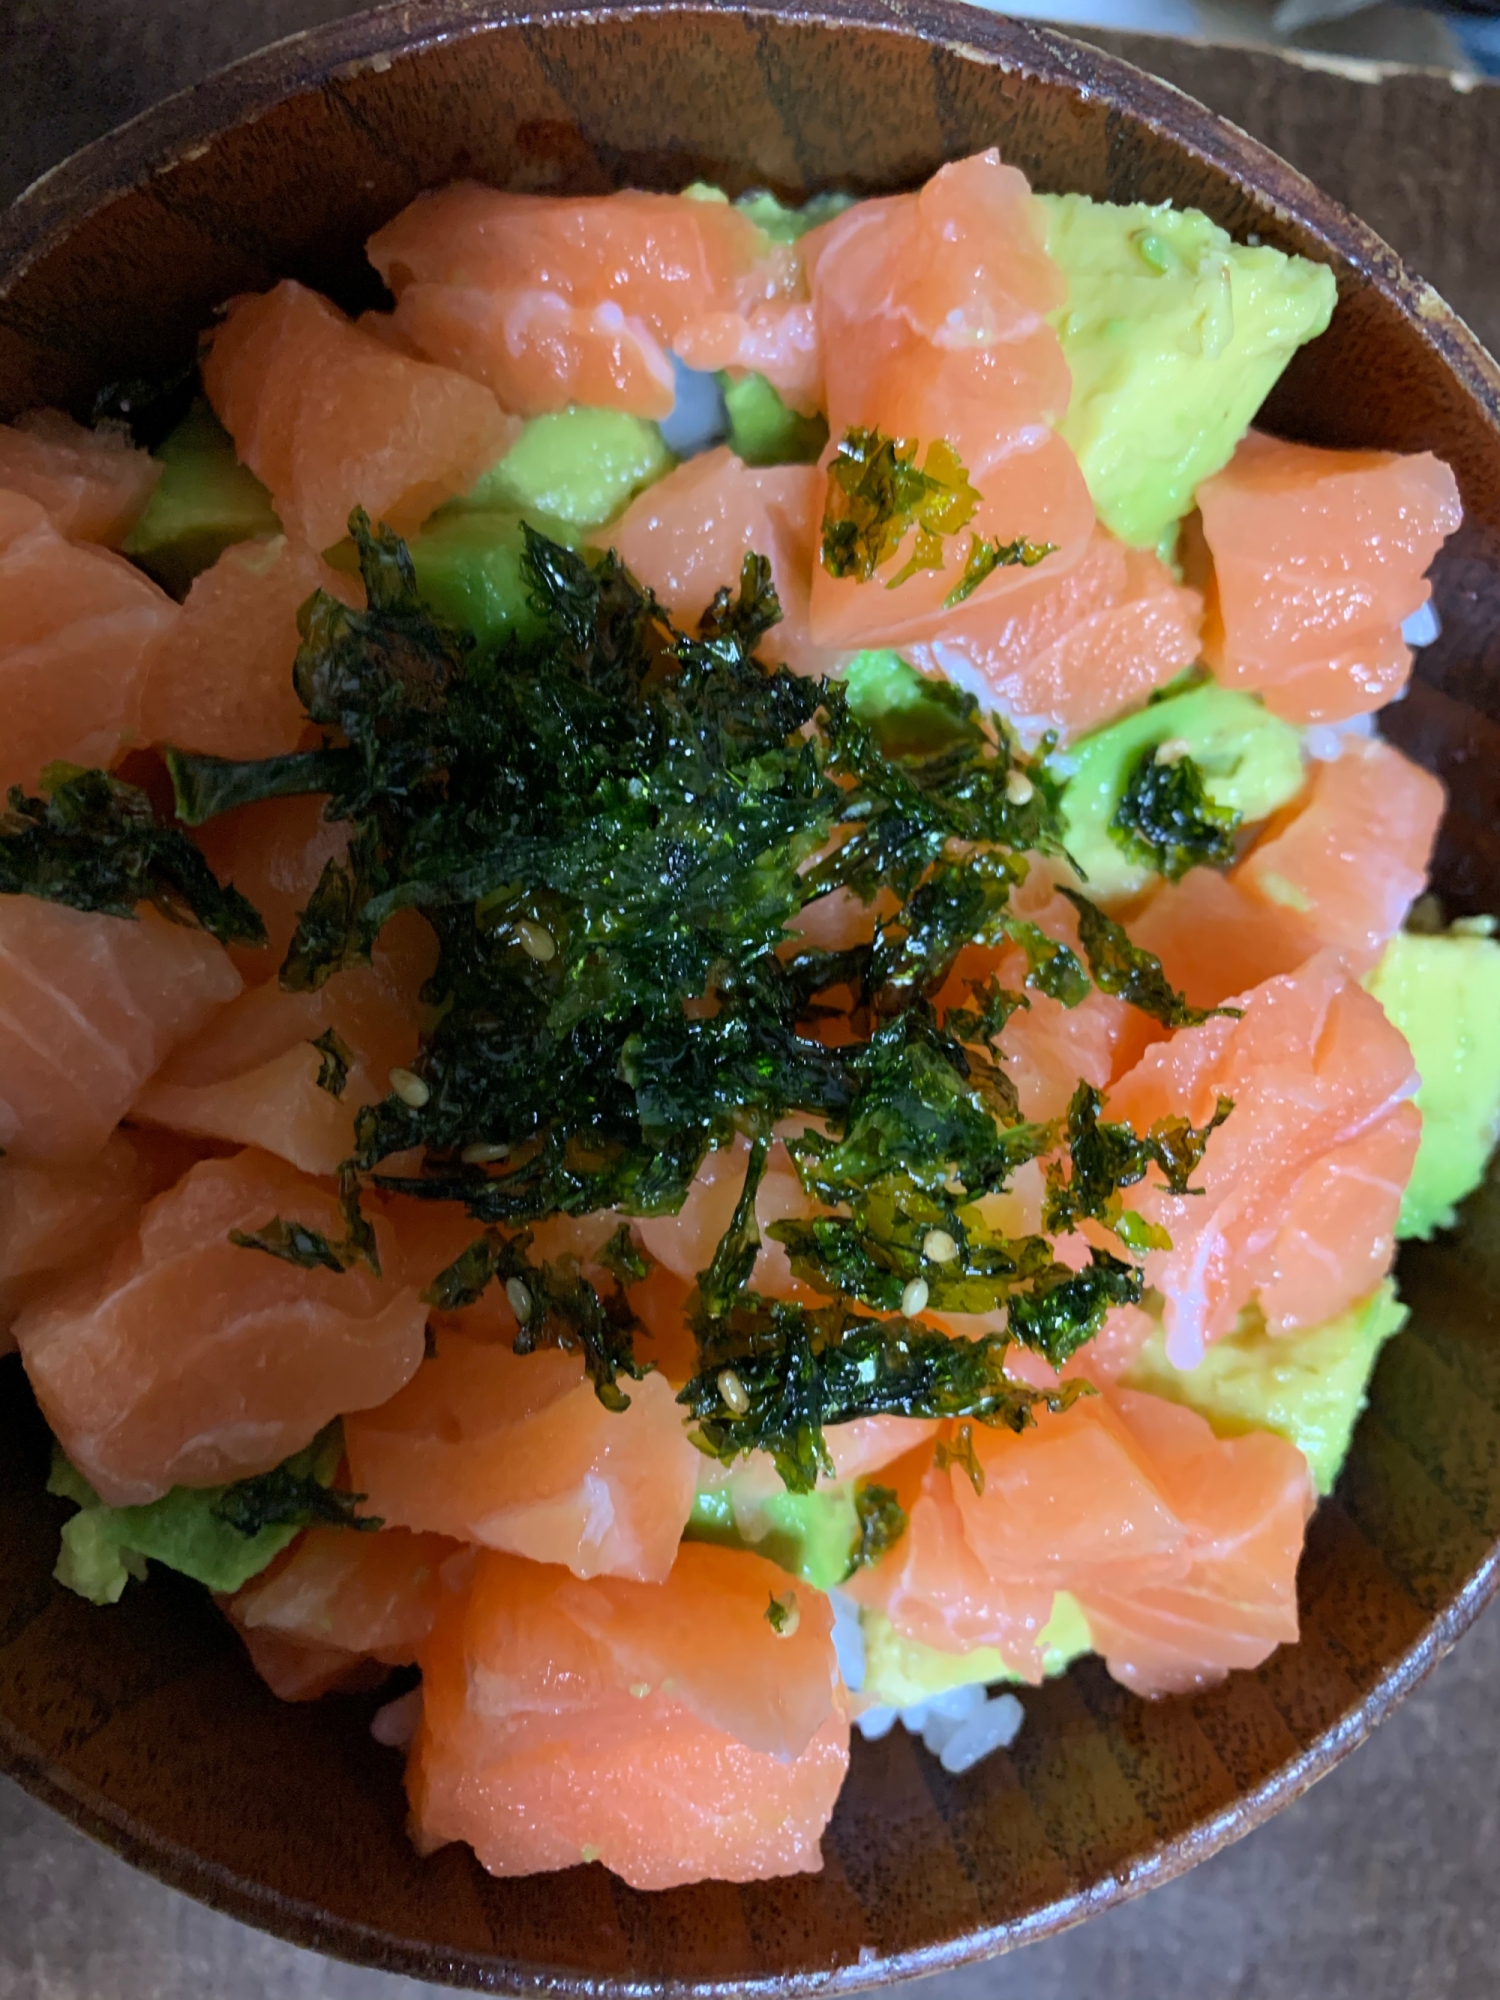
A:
<point x="95" y="843"/>
<point x="882" y="1523"/>
<point x="338" y="1060"/>
<point x="610" y="828"/>
<point x="1167" y="822"/>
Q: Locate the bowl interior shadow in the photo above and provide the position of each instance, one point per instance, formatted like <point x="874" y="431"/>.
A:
<point x="145" y="1723"/>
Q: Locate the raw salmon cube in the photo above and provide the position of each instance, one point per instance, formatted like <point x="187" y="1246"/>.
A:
<point x="330" y="418"/>
<point x="184" y="1359"/>
<point x="664" y="1729"/>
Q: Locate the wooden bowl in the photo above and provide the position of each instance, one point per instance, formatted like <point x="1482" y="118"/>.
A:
<point x="145" y="1724"/>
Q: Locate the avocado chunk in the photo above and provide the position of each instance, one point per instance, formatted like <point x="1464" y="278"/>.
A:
<point x="581" y="467"/>
<point x="771" y="217"/>
<point x="763" y="431"/>
<point x="1443" y="993"/>
<point x="788" y="225"/>
<point x="1308" y="1387"/>
<point x="901" y="1672"/>
<point x="104" y="1547"/>
<point x="1174" y="335"/>
<point x="205" y="501"/>
<point x="911" y="715"/>
<point x="1250" y="761"/>
<point x="811" y="1535"/>
<point x="469" y="570"/>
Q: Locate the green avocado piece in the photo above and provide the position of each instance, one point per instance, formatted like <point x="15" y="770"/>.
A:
<point x="901" y="1672"/>
<point x="581" y="467"/>
<point x="1250" y="759"/>
<point x="910" y="714"/>
<point x="469" y="570"/>
<point x="1174" y="335"/>
<point x="780" y="224"/>
<point x="205" y="501"/>
<point x="763" y="431"/>
<point x="104" y="1547"/>
<point x="1443" y="993"/>
<point x="1308" y="1387"/>
<point x="787" y="225"/>
<point x="810" y="1535"/>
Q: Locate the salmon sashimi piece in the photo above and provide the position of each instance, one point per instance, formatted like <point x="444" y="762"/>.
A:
<point x="273" y="852"/>
<point x="252" y="1075"/>
<point x="683" y="1244"/>
<point x="556" y="301"/>
<point x="1351" y="856"/>
<point x="777" y="339"/>
<point x="307" y="1669"/>
<point x="1339" y="1236"/>
<point x="1215" y="939"/>
<point x="1247" y="1501"/>
<point x="932" y="309"/>
<point x="220" y="681"/>
<point x="93" y="484"/>
<point x="688" y="535"/>
<point x="330" y="418"/>
<point x="664" y="1729"/>
<point x="1046" y="1047"/>
<point x="934" y="1588"/>
<point x="1071" y="1498"/>
<point x="1340" y="867"/>
<point x="1144" y="1518"/>
<point x="90" y="1006"/>
<point x="1069" y="650"/>
<point x="516" y="1452"/>
<point x="77" y="627"/>
<point x="1318" y="556"/>
<point x="337" y="1602"/>
<point x="1302" y="1184"/>
<point x="186" y="1360"/>
<point x="53" y="1216"/>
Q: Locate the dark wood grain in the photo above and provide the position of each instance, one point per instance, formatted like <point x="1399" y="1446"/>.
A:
<point x="146" y="1725"/>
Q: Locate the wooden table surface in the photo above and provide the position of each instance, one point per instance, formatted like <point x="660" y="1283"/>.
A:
<point x="1380" y="1884"/>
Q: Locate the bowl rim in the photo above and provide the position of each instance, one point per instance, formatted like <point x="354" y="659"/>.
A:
<point x="182" y="126"/>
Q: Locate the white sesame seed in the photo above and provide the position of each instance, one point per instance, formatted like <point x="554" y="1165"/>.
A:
<point x="520" y="1299"/>
<point x="483" y="1151"/>
<point x="914" y="1298"/>
<point x="1173" y="750"/>
<point x="1019" y="788"/>
<point x="409" y="1087"/>
<point x="938" y="1247"/>
<point x="732" y="1393"/>
<point x="536" y="941"/>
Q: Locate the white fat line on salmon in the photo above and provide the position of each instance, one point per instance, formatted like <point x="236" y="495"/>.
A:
<point x="1186" y="1310"/>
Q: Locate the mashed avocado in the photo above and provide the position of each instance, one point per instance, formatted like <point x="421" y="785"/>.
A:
<point x="1175" y="335"/>
<point x="1307" y="1387"/>
<point x="577" y="467"/>
<point x="204" y="502"/>
<point x="1250" y="761"/>
<point x="1443" y="993"/>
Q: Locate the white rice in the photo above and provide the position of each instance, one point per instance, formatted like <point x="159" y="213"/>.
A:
<point x="958" y="1727"/>
<point x="698" y="418"/>
<point x="1423" y="626"/>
